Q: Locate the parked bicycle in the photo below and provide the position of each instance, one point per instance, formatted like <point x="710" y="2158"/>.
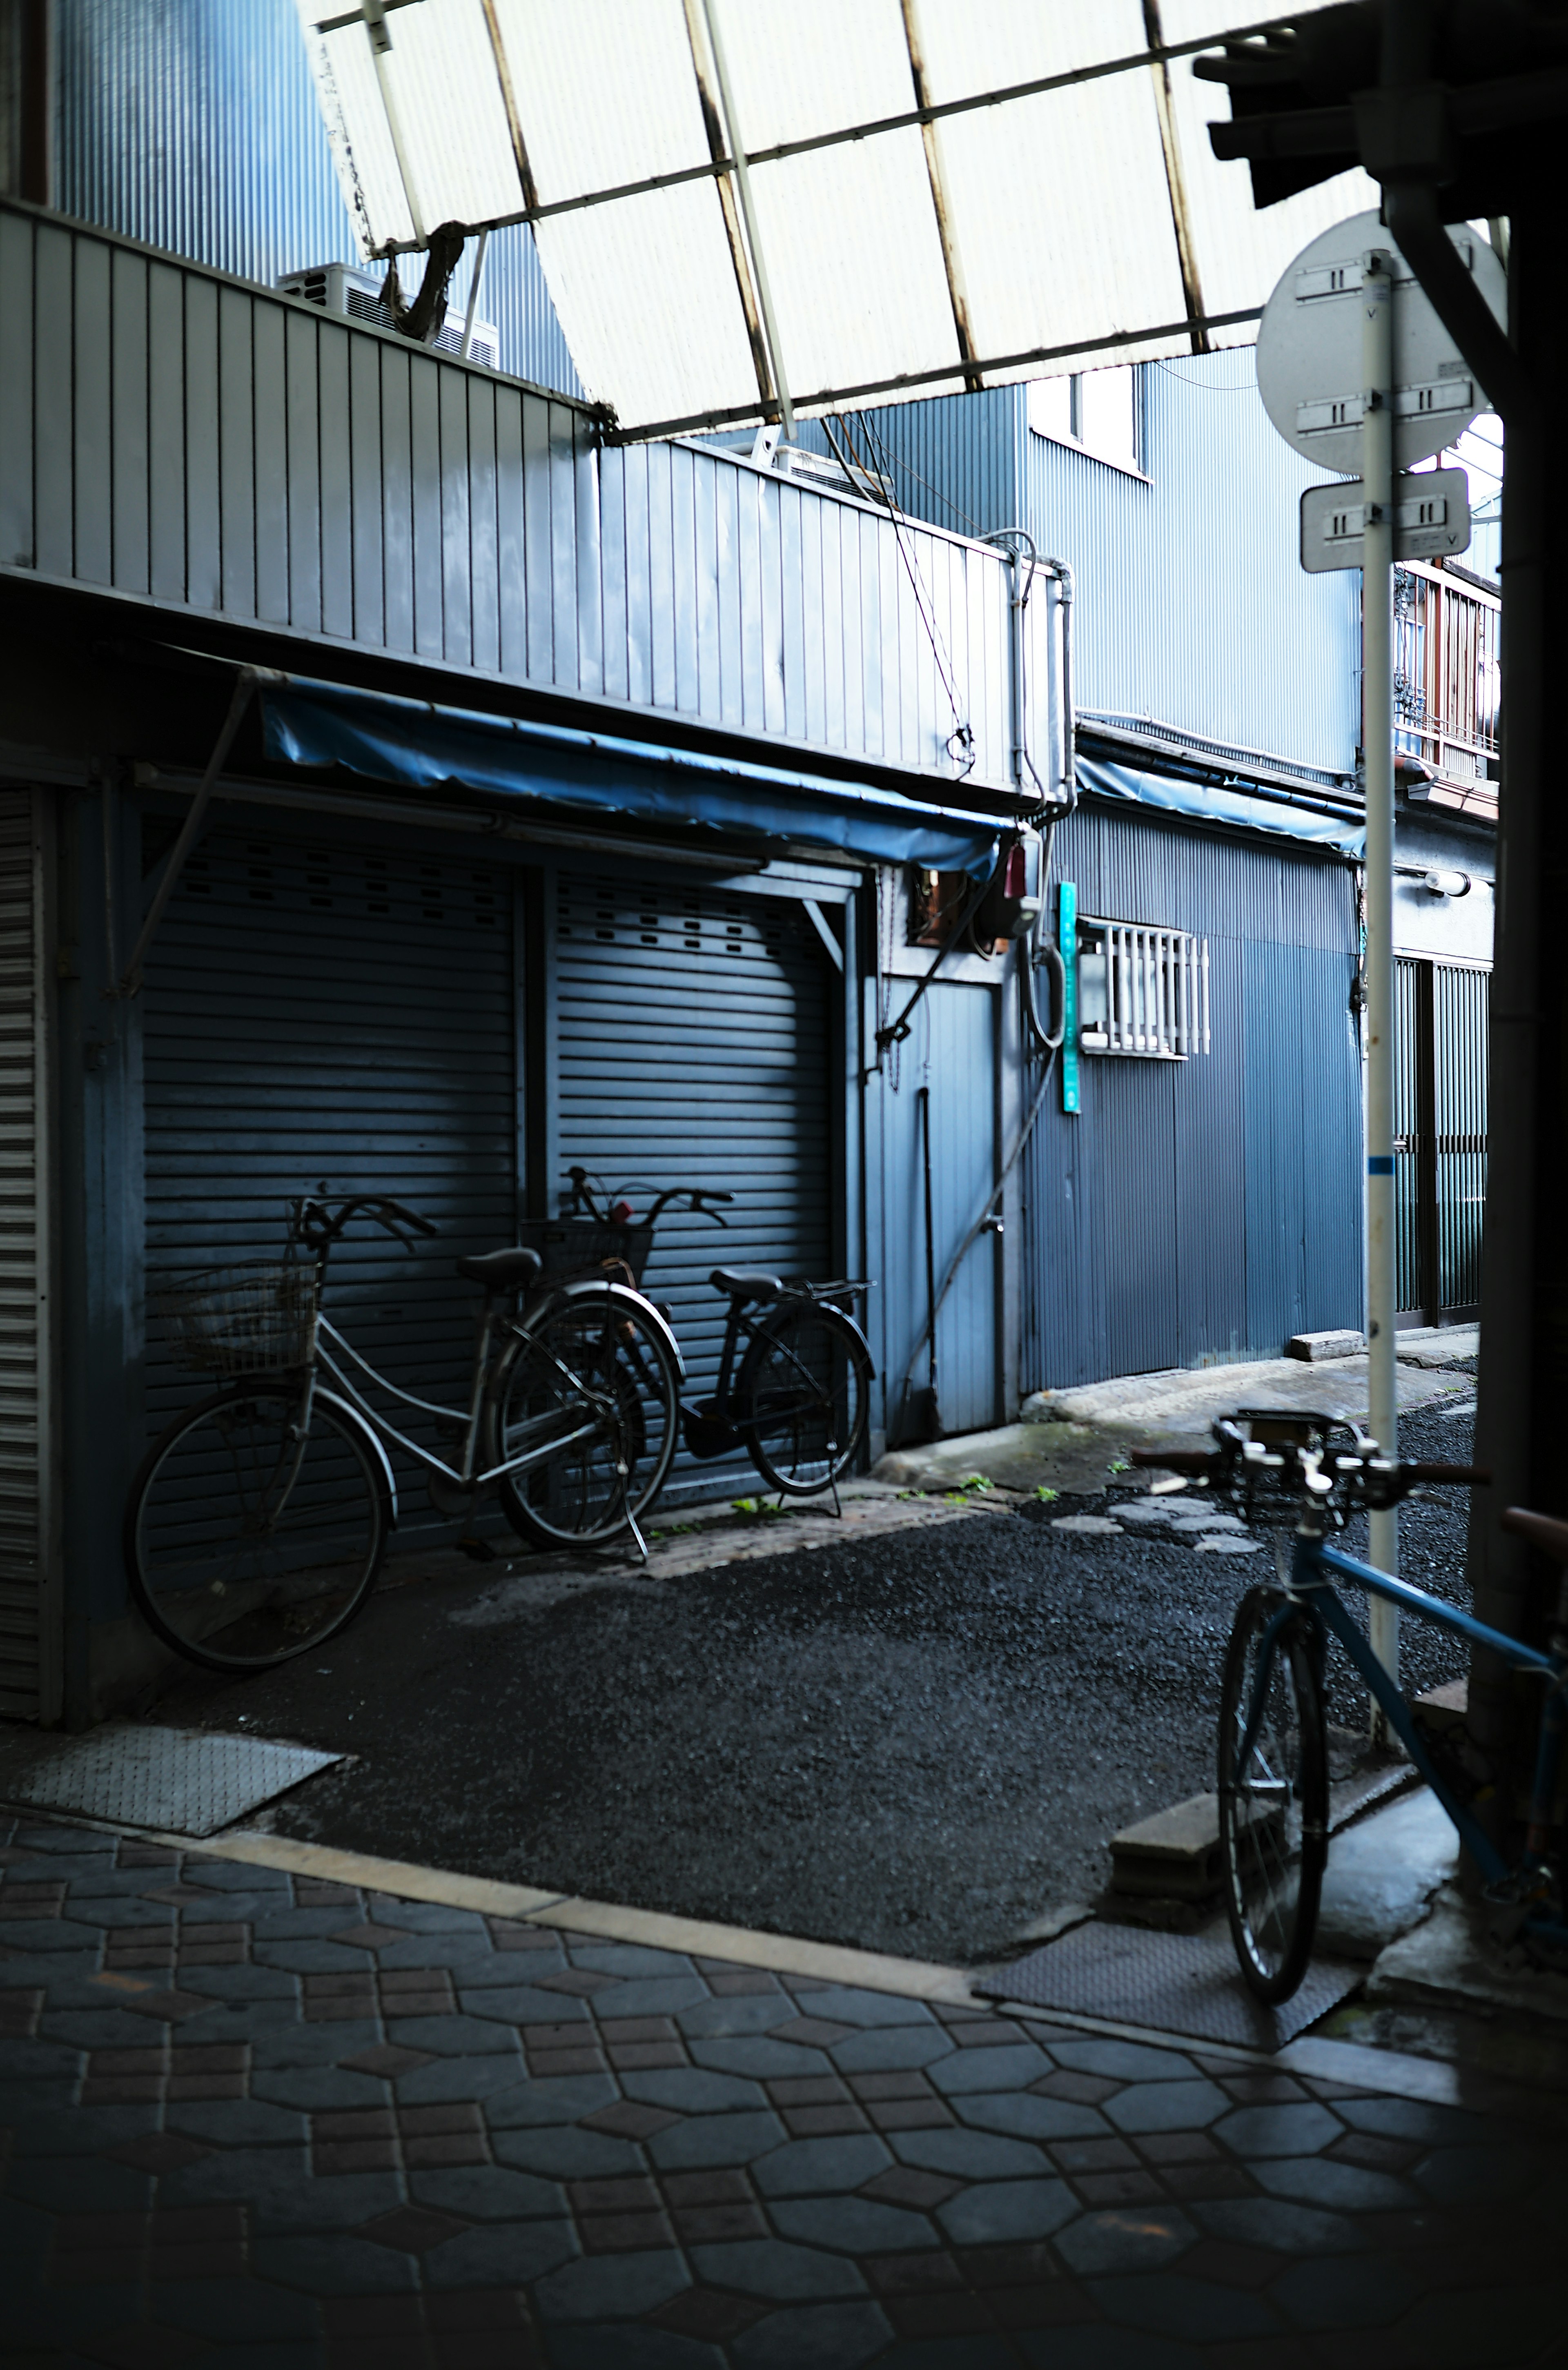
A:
<point x="797" y="1399"/>
<point x="257" y="1522"/>
<point x="1306" y="1474"/>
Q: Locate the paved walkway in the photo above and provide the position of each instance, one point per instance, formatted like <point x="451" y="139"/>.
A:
<point x="253" y="2117"/>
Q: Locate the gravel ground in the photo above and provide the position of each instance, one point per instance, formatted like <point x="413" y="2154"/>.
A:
<point x="917" y="1744"/>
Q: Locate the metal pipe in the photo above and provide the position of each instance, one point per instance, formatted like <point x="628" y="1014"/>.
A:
<point x="373" y="12"/>
<point x="743" y="182"/>
<point x="474" y="295"/>
<point x="1378" y="708"/>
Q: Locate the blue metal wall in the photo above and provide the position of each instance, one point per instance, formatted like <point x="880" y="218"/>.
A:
<point x="1191" y="605"/>
<point x="1201" y="1212"/>
<point x="194" y="124"/>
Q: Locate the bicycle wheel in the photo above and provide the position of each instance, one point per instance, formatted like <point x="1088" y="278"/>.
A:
<point x="801" y="1399"/>
<point x="1274" y="1810"/>
<point x="247" y="1544"/>
<point x="590" y="1396"/>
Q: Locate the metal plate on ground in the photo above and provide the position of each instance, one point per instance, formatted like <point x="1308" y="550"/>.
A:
<point x="1188" y="1983"/>
<point x="182" y="1781"/>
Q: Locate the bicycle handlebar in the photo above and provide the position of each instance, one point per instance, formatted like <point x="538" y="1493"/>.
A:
<point x="1293" y="1472"/>
<point x="317" y="1223"/>
<point x="696" y="1197"/>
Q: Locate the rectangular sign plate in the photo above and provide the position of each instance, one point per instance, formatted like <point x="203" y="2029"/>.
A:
<point x="1431" y="518"/>
<point x="1066" y="939"/>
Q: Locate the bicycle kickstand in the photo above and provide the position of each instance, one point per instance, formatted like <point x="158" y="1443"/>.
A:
<point x="637" y="1535"/>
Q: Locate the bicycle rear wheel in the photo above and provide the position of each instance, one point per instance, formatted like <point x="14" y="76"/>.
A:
<point x="1274" y="1803"/>
<point x="247" y="1544"/>
<point x="801" y="1399"/>
<point x="590" y="1394"/>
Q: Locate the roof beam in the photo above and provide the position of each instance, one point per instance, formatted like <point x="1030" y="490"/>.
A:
<point x="526" y="180"/>
<point x="951" y="263"/>
<point x="713" y="125"/>
<point x="743" y="181"/>
<point x="1175" y="179"/>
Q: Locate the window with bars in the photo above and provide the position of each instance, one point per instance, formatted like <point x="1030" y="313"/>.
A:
<point x="1141" y="991"/>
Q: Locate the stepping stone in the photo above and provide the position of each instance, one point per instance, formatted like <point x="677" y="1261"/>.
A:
<point x="1099" y="1527"/>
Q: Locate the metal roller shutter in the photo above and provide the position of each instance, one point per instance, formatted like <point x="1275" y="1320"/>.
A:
<point x="324" y="1013"/>
<point x="29" y="1662"/>
<point x="694" y="1033"/>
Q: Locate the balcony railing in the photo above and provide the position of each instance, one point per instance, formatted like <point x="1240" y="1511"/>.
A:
<point x="1447" y="678"/>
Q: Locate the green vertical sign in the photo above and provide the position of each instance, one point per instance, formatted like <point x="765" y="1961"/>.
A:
<point x="1066" y="939"/>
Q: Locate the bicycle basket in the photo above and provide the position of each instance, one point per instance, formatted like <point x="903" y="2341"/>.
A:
<point x="241" y="1321"/>
<point x="576" y="1246"/>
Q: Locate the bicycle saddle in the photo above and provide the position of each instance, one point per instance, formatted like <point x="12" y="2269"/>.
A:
<point x="499" y="1271"/>
<point x="1543" y="1531"/>
<point x="745" y="1284"/>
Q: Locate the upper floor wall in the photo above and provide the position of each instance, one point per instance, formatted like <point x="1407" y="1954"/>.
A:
<point x="207" y="447"/>
<point x="1191" y="607"/>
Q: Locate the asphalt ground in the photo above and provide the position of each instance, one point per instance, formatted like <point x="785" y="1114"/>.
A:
<point x="918" y="1742"/>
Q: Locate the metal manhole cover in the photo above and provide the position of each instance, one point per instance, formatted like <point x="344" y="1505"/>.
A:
<point x="184" y="1781"/>
<point x="1188" y="1983"/>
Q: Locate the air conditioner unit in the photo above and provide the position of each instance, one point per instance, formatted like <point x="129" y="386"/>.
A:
<point x="343" y="288"/>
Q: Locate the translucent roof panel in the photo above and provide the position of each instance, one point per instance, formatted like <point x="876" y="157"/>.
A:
<point x="855" y="202"/>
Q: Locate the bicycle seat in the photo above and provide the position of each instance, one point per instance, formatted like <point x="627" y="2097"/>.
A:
<point x="499" y="1271"/>
<point x="1543" y="1531"/>
<point x="745" y="1284"/>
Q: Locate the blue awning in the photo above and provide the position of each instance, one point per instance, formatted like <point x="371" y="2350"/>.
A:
<point x="419" y="746"/>
<point x="1332" y="832"/>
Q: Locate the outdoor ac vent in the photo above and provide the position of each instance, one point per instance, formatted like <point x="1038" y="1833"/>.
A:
<point x="341" y="288"/>
<point x="795" y="461"/>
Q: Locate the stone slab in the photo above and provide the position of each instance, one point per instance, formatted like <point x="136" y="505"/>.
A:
<point x="1315" y="1346"/>
<point x="1175" y="1853"/>
<point x="1450" y="1962"/>
<point x="1382" y="1875"/>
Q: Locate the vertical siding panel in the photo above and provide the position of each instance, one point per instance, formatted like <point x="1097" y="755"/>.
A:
<point x="237" y="452"/>
<point x="792" y="615"/>
<point x="16" y="234"/>
<point x="563" y="545"/>
<point x="662" y="576"/>
<point x="303" y="398"/>
<point x="589" y="558"/>
<point x="271" y="435"/>
<point x="750" y="597"/>
<point x="482" y="524"/>
<point x="166" y="424"/>
<point x="425" y="438"/>
<point x="204" y="515"/>
<point x="613" y="565"/>
<point x="813" y="646"/>
<point x="456" y="541"/>
<point x="705" y="529"/>
<point x="52" y="438"/>
<point x="397" y="498"/>
<point x="90" y="415"/>
<point x="129" y="421"/>
<point x="513" y="609"/>
<point x="835" y="616"/>
<point x="536" y="536"/>
<point x="871" y="536"/>
<point x="632" y="460"/>
<point x="336" y="482"/>
<point x="727" y="536"/>
<point x="366" y="492"/>
<point x="681" y="562"/>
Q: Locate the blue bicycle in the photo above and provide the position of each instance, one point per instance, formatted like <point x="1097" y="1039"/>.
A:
<point x="1306" y="1474"/>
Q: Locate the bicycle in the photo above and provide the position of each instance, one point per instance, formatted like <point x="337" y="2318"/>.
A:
<point x="1284" y="1469"/>
<point x="257" y="1522"/>
<point x="800" y="1397"/>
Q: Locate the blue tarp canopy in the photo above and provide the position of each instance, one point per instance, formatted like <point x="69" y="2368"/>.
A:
<point x="1215" y="804"/>
<point x="418" y="746"/>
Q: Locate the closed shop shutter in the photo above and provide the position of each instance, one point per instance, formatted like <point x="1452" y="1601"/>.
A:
<point x="28" y="1665"/>
<point x="324" y="1015"/>
<point x="695" y="1035"/>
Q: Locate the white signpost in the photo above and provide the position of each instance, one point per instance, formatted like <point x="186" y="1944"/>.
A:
<point x="1358" y="373"/>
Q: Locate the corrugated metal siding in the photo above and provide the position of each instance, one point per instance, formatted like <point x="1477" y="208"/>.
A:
<point x="206" y="445"/>
<point x="26" y="1650"/>
<point x="322" y="1016"/>
<point x="194" y="125"/>
<point x="955" y="460"/>
<point x="695" y="1037"/>
<point x="1201" y="1212"/>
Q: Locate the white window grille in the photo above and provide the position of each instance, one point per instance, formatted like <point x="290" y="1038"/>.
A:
<point x="1141" y="991"/>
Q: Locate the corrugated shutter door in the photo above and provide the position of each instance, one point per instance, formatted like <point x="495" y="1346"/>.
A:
<point x="24" y="1683"/>
<point x="694" y="1050"/>
<point x="327" y="1014"/>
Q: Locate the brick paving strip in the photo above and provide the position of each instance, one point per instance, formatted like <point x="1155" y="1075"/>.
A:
<point x="277" y="2106"/>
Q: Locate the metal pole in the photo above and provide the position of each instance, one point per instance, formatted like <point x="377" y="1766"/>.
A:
<point x="1377" y="709"/>
<point x="743" y="184"/>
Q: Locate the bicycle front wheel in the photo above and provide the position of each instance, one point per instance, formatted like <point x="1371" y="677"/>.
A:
<point x="1274" y="1798"/>
<point x="803" y="1395"/>
<point x="248" y="1541"/>
<point x="585" y="1408"/>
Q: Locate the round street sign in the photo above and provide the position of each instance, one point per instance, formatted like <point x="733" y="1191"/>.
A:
<point x="1309" y="367"/>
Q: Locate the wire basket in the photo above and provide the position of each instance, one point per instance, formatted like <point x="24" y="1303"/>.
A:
<point x="574" y="1247"/>
<point x="242" y="1320"/>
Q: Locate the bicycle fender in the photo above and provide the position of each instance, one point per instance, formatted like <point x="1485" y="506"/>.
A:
<point x="587" y="1287"/>
<point x="346" y="1407"/>
<point x="844" y="1316"/>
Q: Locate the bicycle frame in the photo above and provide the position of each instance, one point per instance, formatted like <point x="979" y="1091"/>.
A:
<point x="1309" y="1589"/>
